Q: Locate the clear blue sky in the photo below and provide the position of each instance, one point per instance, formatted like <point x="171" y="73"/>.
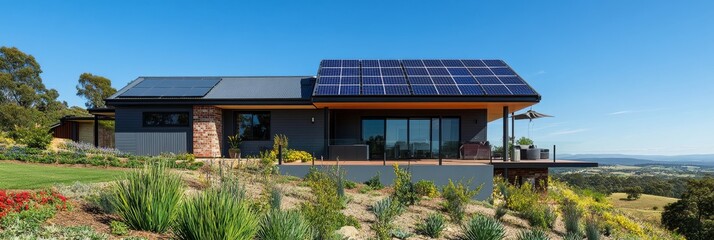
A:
<point x="632" y="77"/>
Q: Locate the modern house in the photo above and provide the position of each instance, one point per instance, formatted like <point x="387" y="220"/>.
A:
<point x="370" y="110"/>
<point x="82" y="129"/>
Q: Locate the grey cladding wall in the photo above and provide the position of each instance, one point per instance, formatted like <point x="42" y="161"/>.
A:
<point x="132" y="137"/>
<point x="297" y="125"/>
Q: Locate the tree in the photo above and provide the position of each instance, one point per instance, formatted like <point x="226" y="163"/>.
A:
<point x="95" y="89"/>
<point x="633" y="193"/>
<point x="693" y="215"/>
<point x="20" y="81"/>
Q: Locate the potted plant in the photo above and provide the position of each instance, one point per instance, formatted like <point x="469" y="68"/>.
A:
<point x="234" y="149"/>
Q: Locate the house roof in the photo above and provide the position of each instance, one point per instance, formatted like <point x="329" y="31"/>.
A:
<point x="343" y="81"/>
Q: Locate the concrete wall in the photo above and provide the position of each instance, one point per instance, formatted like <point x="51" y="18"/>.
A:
<point x="132" y="137"/>
<point x="477" y="174"/>
<point x="297" y="125"/>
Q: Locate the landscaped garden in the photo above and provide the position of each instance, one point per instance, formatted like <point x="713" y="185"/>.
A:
<point x="120" y="196"/>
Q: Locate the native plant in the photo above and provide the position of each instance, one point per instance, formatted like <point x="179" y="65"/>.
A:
<point x="324" y="211"/>
<point x="404" y="191"/>
<point x="220" y="212"/>
<point x="540" y="216"/>
<point x="284" y="225"/>
<point x="457" y="196"/>
<point x="426" y="188"/>
<point x="432" y="226"/>
<point x="385" y="211"/>
<point x="481" y="227"/>
<point x="374" y="182"/>
<point x="571" y="216"/>
<point x="534" y="234"/>
<point x="500" y="212"/>
<point x="35" y="136"/>
<point x="591" y="229"/>
<point x="148" y="198"/>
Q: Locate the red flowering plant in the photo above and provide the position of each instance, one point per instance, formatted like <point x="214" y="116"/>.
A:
<point x="11" y="202"/>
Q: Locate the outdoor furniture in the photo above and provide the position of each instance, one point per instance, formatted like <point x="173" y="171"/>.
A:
<point x="533" y="154"/>
<point x="544" y="153"/>
<point x="476" y="150"/>
<point x="349" y="152"/>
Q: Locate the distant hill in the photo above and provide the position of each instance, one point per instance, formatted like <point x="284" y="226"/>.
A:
<point x="623" y="159"/>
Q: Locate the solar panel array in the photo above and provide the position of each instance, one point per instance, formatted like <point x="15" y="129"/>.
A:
<point x="171" y="87"/>
<point x="419" y="77"/>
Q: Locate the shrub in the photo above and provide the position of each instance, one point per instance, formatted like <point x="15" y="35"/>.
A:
<point x="535" y="234"/>
<point x="323" y="212"/>
<point x="457" y="196"/>
<point x="276" y="198"/>
<point x="293" y="155"/>
<point x="284" y="225"/>
<point x="118" y="228"/>
<point x="426" y="188"/>
<point x="374" y="182"/>
<point x="35" y="137"/>
<point x="5" y="139"/>
<point x="350" y="185"/>
<point x="571" y="217"/>
<point x="432" y="226"/>
<point x="499" y="212"/>
<point x="403" y="187"/>
<point x="481" y="227"/>
<point x="104" y="201"/>
<point x="572" y="236"/>
<point x="385" y="211"/>
<point x="401" y="234"/>
<point x="540" y="216"/>
<point x="149" y="198"/>
<point x="591" y="230"/>
<point x="517" y="198"/>
<point x="218" y="213"/>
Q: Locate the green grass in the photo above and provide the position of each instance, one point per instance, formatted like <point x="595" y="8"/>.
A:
<point x="642" y="208"/>
<point x="33" y="176"/>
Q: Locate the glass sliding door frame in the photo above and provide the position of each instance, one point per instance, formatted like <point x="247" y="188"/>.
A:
<point x="435" y="144"/>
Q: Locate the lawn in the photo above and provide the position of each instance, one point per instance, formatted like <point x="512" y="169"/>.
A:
<point x="31" y="176"/>
<point x="643" y="207"/>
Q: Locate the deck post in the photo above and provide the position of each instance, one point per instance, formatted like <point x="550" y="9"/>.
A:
<point x="553" y="153"/>
<point x="327" y="132"/>
<point x="96" y="131"/>
<point x="505" y="133"/>
<point x="513" y="135"/>
<point x="440" y="156"/>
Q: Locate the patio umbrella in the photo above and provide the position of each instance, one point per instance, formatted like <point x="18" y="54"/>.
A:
<point x="530" y="115"/>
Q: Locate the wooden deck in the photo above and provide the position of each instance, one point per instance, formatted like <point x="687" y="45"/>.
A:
<point x="455" y="162"/>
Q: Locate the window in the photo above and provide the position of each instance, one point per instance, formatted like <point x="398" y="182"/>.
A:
<point x="165" y="119"/>
<point x="253" y="126"/>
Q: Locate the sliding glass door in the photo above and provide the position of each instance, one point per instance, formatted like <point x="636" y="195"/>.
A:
<point x="416" y="138"/>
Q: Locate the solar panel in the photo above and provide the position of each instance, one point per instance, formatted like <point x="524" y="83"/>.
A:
<point x="396" y="89"/>
<point x="171" y="87"/>
<point x="349" y="90"/>
<point x="494" y="63"/>
<point x="423" y="77"/>
<point x="395" y="80"/>
<point x="423" y="89"/>
<point x="373" y="89"/>
<point x="496" y="90"/>
<point x="521" y="89"/>
<point x="503" y="71"/>
<point x="448" y="90"/>
<point x="327" y="90"/>
<point x="459" y="71"/>
<point x="452" y="63"/>
<point x="512" y="80"/>
<point x="471" y="89"/>
<point x="349" y="80"/>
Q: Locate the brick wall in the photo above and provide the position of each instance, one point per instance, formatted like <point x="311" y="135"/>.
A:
<point x="519" y="175"/>
<point x="207" y="131"/>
